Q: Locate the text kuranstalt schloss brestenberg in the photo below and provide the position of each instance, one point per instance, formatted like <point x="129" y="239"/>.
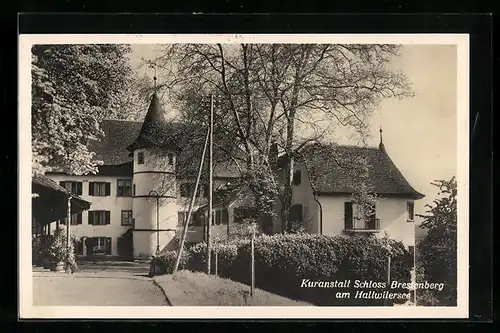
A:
<point x="372" y="289"/>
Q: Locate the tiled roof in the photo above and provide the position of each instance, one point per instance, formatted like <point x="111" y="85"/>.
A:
<point x="46" y="182"/>
<point x="335" y="169"/>
<point x="118" y="134"/>
<point x="154" y="130"/>
<point x="188" y="141"/>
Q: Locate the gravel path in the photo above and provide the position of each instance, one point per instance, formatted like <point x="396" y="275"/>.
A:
<point x="103" y="284"/>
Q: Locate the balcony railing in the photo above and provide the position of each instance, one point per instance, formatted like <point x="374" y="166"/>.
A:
<point x="358" y="225"/>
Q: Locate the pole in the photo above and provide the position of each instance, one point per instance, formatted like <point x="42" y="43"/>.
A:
<point x="210" y="212"/>
<point x="157" y="196"/>
<point x="252" y="286"/>
<point x="388" y="274"/>
<point x="216" y="262"/>
<point x="157" y="225"/>
<point x="184" y="231"/>
<point x="415" y="274"/>
<point x="68" y="244"/>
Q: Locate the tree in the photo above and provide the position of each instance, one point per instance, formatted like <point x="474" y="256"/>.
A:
<point x="438" y="250"/>
<point x="74" y="87"/>
<point x="364" y="197"/>
<point x="289" y="94"/>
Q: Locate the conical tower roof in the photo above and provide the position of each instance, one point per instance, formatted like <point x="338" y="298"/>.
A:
<point x="154" y="128"/>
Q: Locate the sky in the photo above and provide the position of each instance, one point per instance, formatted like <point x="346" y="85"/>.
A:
<point x="419" y="133"/>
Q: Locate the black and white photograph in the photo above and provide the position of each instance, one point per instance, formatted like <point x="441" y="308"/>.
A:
<point x="186" y="176"/>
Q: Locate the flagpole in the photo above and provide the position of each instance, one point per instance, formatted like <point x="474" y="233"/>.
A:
<point x="193" y="198"/>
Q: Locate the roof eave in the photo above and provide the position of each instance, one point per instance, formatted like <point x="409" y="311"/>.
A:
<point x="414" y="195"/>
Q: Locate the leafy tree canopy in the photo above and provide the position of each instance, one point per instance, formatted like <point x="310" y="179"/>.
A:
<point x="437" y="252"/>
<point x="74" y="87"/>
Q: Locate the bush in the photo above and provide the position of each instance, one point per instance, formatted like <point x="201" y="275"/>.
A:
<point x="56" y="249"/>
<point x="165" y="261"/>
<point x="226" y="253"/>
<point x="282" y="261"/>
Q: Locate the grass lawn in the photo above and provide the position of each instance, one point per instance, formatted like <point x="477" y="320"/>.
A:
<point x="187" y="288"/>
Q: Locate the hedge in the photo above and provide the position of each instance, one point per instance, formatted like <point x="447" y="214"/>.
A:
<point x="165" y="261"/>
<point x="283" y="260"/>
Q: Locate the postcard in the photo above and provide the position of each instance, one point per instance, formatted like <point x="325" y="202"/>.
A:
<point x="244" y="176"/>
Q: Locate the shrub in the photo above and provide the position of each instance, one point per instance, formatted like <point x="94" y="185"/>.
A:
<point x="225" y="251"/>
<point x="283" y="260"/>
<point x="56" y="249"/>
<point x="165" y="261"/>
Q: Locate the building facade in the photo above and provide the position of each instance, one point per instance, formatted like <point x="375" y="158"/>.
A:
<point x="141" y="195"/>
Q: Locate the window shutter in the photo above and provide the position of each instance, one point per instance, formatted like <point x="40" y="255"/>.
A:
<point x="348" y="215"/>
<point x="108" y="189"/>
<point x="107" y="217"/>
<point x="91" y="188"/>
<point x="91" y="217"/>
<point x="108" y="245"/>
<point x="79" y="190"/>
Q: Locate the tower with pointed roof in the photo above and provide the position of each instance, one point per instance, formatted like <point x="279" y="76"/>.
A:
<point x="154" y="203"/>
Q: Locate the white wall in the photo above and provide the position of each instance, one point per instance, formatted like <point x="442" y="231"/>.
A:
<point x="392" y="213"/>
<point x="303" y="194"/>
<point x="393" y="216"/>
<point x="111" y="203"/>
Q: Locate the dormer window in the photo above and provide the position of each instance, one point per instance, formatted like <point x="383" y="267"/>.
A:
<point x="140" y="157"/>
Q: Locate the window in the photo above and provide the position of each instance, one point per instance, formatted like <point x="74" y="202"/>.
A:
<point x="297" y="178"/>
<point x="348" y="215"/>
<point x="74" y="187"/>
<point x="187" y="190"/>
<point x="140" y="157"/>
<point x="127" y="217"/>
<point x="99" y="217"/>
<point x="75" y="219"/>
<point x="296" y="213"/>
<point x="99" y="189"/>
<point x="133" y="190"/>
<point x="124" y="188"/>
<point x="221" y="217"/>
<point x="170" y="159"/>
<point x="411" y="211"/>
<point x="102" y="245"/>
<point x="242" y="213"/>
<point x="196" y="219"/>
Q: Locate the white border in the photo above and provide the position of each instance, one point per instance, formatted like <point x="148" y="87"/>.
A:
<point x="28" y="311"/>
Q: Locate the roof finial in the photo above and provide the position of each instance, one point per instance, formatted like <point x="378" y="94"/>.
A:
<point x="154" y="78"/>
<point x="381" y="144"/>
